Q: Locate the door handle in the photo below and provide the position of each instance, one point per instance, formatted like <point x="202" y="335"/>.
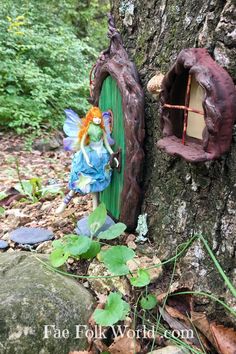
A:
<point x="118" y="156"/>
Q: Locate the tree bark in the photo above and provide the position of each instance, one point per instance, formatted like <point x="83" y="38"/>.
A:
<point x="181" y="198"/>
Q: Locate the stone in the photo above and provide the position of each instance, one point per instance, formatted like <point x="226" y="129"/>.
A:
<point x="6" y="237"/>
<point x="3" y="245"/>
<point x="30" y="235"/>
<point x="83" y="229"/>
<point x="45" y="247"/>
<point x="170" y="349"/>
<point x="31" y="297"/>
<point x="16" y="218"/>
<point x="47" y="144"/>
<point x="104" y="285"/>
<point x="46" y="206"/>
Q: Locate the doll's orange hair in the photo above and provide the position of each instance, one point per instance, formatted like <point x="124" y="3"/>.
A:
<point x="93" y="112"/>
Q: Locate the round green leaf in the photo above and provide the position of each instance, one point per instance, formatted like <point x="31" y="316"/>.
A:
<point x="142" y="278"/>
<point x="113" y="311"/>
<point x="57" y="244"/>
<point x="115" y="259"/>
<point x="93" y="250"/>
<point x="77" y="245"/>
<point x="58" y="257"/>
<point x="148" y="302"/>
<point x="97" y="218"/>
<point x="113" y="232"/>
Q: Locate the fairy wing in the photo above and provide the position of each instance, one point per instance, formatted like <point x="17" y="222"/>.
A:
<point x="71" y="144"/>
<point x="108" y="122"/>
<point x="71" y="128"/>
<point x="72" y="123"/>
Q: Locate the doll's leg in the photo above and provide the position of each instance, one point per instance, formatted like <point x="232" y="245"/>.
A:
<point x="95" y="200"/>
<point x="65" y="202"/>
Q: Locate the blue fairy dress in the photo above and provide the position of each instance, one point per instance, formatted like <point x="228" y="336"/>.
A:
<point x="85" y="179"/>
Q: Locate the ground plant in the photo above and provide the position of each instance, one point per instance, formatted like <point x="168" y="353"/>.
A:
<point x="115" y="259"/>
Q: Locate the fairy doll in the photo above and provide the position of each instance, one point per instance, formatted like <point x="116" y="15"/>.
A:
<point x="90" y="171"/>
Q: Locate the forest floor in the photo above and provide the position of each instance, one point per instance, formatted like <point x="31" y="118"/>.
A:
<point x="18" y="164"/>
<point x="50" y="167"/>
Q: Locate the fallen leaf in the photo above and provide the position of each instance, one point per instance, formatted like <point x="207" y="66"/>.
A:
<point x="11" y="195"/>
<point x="183" y="302"/>
<point x="81" y="352"/>
<point x="176" y="313"/>
<point x="225" y="339"/>
<point x="125" y="345"/>
<point x="200" y="321"/>
<point x="99" y="345"/>
<point x="181" y="328"/>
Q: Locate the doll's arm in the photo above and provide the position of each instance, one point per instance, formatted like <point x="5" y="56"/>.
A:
<point x="83" y="150"/>
<point x="107" y="145"/>
<point x="109" y="149"/>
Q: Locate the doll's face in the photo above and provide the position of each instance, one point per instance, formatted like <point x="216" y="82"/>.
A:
<point x="97" y="120"/>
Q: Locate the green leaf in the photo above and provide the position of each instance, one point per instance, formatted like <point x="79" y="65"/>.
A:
<point x="113" y="232"/>
<point x="142" y="278"/>
<point x="76" y="245"/>
<point x="57" y="244"/>
<point x="97" y="218"/>
<point x="2" y="210"/>
<point x="113" y="312"/>
<point x="148" y="302"/>
<point x="25" y="187"/>
<point x="2" y="195"/>
<point x="58" y="257"/>
<point x="126" y="309"/>
<point x="93" y="250"/>
<point x="51" y="189"/>
<point x="116" y="257"/>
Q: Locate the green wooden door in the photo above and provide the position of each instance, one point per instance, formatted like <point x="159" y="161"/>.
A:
<point x="110" y="98"/>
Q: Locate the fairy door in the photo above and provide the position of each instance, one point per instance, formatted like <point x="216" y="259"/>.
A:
<point x="110" y="98"/>
<point x="114" y="85"/>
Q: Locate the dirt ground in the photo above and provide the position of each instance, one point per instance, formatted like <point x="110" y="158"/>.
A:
<point x="52" y="167"/>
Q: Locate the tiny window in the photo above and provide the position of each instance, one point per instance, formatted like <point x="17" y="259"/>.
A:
<point x="198" y="105"/>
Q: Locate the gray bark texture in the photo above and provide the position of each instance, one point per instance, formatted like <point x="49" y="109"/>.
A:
<point x="181" y="198"/>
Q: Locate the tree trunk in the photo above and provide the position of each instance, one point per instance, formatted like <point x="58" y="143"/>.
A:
<point x="181" y="198"/>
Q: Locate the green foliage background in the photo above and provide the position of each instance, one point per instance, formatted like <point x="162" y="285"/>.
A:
<point x="47" y="49"/>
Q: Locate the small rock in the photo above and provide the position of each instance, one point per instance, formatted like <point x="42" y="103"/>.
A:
<point x="104" y="285"/>
<point x="145" y="262"/>
<point x="10" y="250"/>
<point x="70" y="260"/>
<point x="46" y="144"/>
<point x="45" y="247"/>
<point x="60" y="223"/>
<point x="3" y="245"/>
<point x="132" y="245"/>
<point x="30" y="235"/>
<point x="170" y="349"/>
<point x="46" y="206"/>
<point x="130" y="238"/>
<point x="6" y="237"/>
<point x="83" y="229"/>
<point x="16" y="217"/>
